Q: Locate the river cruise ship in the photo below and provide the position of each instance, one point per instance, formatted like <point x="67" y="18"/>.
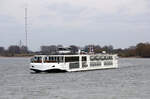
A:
<point x="69" y="63"/>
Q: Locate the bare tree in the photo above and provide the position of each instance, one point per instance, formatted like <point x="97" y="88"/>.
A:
<point x="23" y="49"/>
<point x="14" y="49"/>
<point x="2" y="50"/>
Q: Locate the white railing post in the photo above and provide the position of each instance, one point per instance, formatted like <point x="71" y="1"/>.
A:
<point x="102" y="63"/>
<point x="88" y="61"/>
<point x="80" y="61"/>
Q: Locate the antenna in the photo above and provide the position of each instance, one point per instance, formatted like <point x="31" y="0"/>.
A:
<point x="26" y="30"/>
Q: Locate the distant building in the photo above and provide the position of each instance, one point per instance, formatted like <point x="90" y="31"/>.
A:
<point x="63" y="50"/>
<point x="23" y="49"/>
<point x="49" y="49"/>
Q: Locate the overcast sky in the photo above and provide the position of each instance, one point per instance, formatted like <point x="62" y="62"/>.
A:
<point x="121" y="23"/>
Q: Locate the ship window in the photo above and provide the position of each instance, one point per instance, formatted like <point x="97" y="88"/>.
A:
<point x="92" y="64"/>
<point x="110" y="57"/>
<point x="74" y="65"/>
<point x="53" y="59"/>
<point x="84" y="58"/>
<point x="49" y="58"/>
<point x="108" y="63"/>
<point x="98" y="58"/>
<point x="92" y="58"/>
<point x="36" y="60"/>
<point x="72" y="59"/>
<point x="95" y="58"/>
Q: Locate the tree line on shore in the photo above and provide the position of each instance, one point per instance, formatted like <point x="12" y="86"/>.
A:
<point x="14" y="50"/>
<point x="139" y="50"/>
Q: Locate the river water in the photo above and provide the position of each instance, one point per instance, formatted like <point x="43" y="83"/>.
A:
<point x="130" y="81"/>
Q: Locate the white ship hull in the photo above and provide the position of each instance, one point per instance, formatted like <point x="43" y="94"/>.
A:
<point x="86" y="62"/>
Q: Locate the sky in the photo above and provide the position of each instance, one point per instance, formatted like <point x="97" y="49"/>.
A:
<point x="121" y="23"/>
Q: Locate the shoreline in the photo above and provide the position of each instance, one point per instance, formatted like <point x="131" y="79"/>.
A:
<point x="17" y="56"/>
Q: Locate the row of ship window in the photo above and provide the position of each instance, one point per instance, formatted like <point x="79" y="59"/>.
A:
<point x="69" y="59"/>
<point x="55" y="59"/>
<point x="92" y="64"/>
<point x="92" y="58"/>
<point x="106" y="63"/>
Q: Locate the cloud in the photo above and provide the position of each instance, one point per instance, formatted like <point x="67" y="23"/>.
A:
<point x="76" y="17"/>
<point x="72" y="9"/>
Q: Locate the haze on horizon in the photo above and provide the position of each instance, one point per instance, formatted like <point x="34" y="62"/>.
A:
<point x="121" y="23"/>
